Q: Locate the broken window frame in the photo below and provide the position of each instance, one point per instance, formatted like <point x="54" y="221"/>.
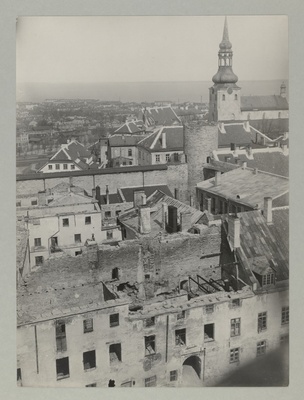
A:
<point x="117" y="351"/>
<point x="234" y="355"/>
<point x="150" y="345"/>
<point x="88" y="325"/>
<point x="148" y="322"/>
<point x="180" y="337"/>
<point x="61" y="339"/>
<point x="61" y="375"/>
<point x="65" y="222"/>
<point x="89" y="360"/>
<point x="39" y="260"/>
<point x="235" y="303"/>
<point x="181" y="315"/>
<point x="235" y="327"/>
<point x="209" y="308"/>
<point x="151" y="381"/>
<point x="262" y="321"/>
<point x="77" y="237"/>
<point x="114" y="320"/>
<point x="209" y="338"/>
<point x="109" y="234"/>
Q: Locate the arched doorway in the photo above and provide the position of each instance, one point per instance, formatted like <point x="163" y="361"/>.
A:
<point x="192" y="372"/>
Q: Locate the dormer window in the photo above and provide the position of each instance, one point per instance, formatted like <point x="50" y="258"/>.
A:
<point x="268" y="279"/>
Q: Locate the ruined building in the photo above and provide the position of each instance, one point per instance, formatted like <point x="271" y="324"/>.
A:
<point x="185" y="297"/>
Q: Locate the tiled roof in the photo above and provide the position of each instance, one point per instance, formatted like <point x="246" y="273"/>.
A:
<point x="78" y="290"/>
<point x="124" y="140"/>
<point x="131" y="127"/>
<point x="234" y="134"/>
<point x="258" y="240"/>
<point x="280" y="219"/>
<point x="174" y="139"/>
<point x="273" y="102"/>
<point x="159" y="116"/>
<point x="114" y="198"/>
<point x="70" y="199"/>
<point x="71" y="151"/>
<point x="128" y="192"/>
<point x="247" y="187"/>
<point x="266" y="160"/>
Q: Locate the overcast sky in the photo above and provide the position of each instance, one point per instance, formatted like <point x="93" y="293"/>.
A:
<point x="136" y="49"/>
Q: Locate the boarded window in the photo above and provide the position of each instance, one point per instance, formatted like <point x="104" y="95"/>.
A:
<point x="39" y="260"/>
<point x="209" y="308"/>
<point x="77" y="238"/>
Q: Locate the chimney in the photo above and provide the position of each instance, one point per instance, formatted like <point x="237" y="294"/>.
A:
<point x="234" y="230"/>
<point x="217" y="180"/>
<point x="172" y="219"/>
<point x="98" y="194"/>
<point x="249" y="150"/>
<point x="255" y="171"/>
<point x="191" y="201"/>
<point x="246" y="126"/>
<point x="144" y="222"/>
<point x="244" y="165"/>
<point x="164" y="215"/>
<point x="208" y="201"/>
<point x="267" y="212"/>
<point x="232" y="146"/>
<point x="164" y="139"/>
<point x="138" y="197"/>
<point x="283" y="90"/>
<point x="185" y="221"/>
<point x="176" y="194"/>
<point x="284" y="148"/>
<point x="94" y="193"/>
<point x="107" y="195"/>
<point x="143" y="199"/>
<point x="42" y="198"/>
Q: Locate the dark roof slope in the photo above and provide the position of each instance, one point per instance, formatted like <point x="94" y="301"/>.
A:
<point x="273" y="102"/>
<point x="159" y="116"/>
<point x="128" y="192"/>
<point x="234" y="134"/>
<point x="174" y="139"/>
<point x="123" y="140"/>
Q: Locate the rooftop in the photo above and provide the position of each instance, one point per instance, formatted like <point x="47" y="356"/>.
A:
<point x="124" y="140"/>
<point x="174" y="139"/>
<point x="71" y="151"/>
<point x="247" y="186"/>
<point x="273" y="102"/>
<point x="159" y="116"/>
<point x="269" y="159"/>
<point x="262" y="245"/>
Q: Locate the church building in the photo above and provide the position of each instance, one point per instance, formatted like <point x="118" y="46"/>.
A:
<point x="225" y="100"/>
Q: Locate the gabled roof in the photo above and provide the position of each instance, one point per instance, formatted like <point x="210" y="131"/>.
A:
<point x="247" y="187"/>
<point x="258" y="240"/>
<point x="131" y="127"/>
<point x="70" y="199"/>
<point x="124" y="140"/>
<point x="159" y="116"/>
<point x="71" y="151"/>
<point x="273" y="102"/>
<point x="174" y="139"/>
<point x="271" y="160"/>
<point x="234" y="134"/>
<point x="128" y="192"/>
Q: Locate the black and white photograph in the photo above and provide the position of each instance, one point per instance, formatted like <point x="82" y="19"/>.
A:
<point x="152" y="201"/>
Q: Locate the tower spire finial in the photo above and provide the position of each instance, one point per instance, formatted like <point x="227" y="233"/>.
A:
<point x="225" y="44"/>
<point x="225" y="32"/>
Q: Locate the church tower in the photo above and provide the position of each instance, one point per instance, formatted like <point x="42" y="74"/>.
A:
<point x="224" y="95"/>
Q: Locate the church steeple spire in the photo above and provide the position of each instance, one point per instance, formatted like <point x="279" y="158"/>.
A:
<point x="225" y="73"/>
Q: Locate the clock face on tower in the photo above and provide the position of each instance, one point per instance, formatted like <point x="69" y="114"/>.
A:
<point x="229" y="90"/>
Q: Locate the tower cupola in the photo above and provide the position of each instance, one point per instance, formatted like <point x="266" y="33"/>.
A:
<point x="225" y="73"/>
